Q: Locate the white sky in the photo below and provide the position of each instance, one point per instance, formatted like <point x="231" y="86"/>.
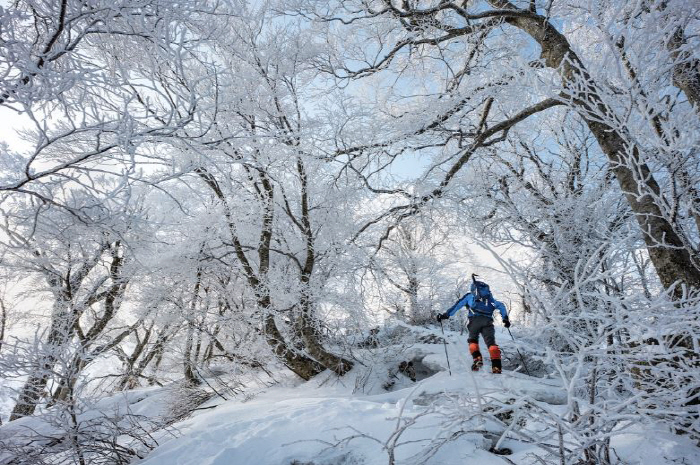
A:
<point x="10" y="122"/>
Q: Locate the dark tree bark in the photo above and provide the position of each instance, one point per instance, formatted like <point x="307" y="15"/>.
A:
<point x="686" y="69"/>
<point x="3" y="322"/>
<point x="188" y="359"/>
<point x="131" y="374"/>
<point x="34" y="388"/>
<point x="308" y="327"/>
<point x="63" y="323"/>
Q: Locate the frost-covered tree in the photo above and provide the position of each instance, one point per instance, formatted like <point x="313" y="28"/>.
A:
<point x="259" y="158"/>
<point x="411" y="269"/>
<point x="83" y="271"/>
<point x="450" y="59"/>
<point x="601" y="319"/>
<point x="78" y="75"/>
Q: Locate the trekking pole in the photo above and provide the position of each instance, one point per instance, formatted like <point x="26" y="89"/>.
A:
<point x="444" y="341"/>
<point x="521" y="355"/>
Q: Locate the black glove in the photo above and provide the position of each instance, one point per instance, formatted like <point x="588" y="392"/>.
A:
<point x="442" y="316"/>
<point x="506" y="322"/>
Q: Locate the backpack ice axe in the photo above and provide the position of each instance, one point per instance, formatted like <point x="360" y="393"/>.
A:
<point x="475" y="285"/>
<point x="482" y="291"/>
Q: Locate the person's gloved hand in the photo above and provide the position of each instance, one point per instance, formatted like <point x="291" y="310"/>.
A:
<point x="442" y="316"/>
<point x="506" y="322"/>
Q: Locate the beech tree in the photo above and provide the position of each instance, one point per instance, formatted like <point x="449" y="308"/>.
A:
<point x="484" y="51"/>
<point x="83" y="270"/>
<point x="259" y="161"/>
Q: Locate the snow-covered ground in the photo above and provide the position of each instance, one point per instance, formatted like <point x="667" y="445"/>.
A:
<point x="330" y="425"/>
<point x="328" y="421"/>
<point x="439" y="419"/>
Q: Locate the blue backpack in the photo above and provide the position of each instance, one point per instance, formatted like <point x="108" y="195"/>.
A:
<point x="483" y="300"/>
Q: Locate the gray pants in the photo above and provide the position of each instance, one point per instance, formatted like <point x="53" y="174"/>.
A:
<point x="482" y="325"/>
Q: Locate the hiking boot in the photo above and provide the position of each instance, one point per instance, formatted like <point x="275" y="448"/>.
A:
<point x="478" y="363"/>
<point x="496" y="366"/>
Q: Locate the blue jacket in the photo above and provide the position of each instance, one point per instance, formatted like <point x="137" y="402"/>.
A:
<point x="469" y="300"/>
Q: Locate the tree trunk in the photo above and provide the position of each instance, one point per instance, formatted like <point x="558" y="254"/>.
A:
<point x="413" y="287"/>
<point x="188" y="362"/>
<point x="158" y="360"/>
<point x="3" y="322"/>
<point x="135" y="371"/>
<point x="307" y="322"/>
<point x="300" y="364"/>
<point x="67" y="382"/>
<point x="686" y="69"/>
<point x="189" y="367"/>
<point x="33" y="390"/>
<point x="310" y="338"/>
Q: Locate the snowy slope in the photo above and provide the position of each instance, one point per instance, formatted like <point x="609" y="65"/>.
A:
<point x="442" y="419"/>
<point x="314" y="421"/>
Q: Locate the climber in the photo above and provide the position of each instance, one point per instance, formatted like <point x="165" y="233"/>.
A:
<point x="481" y="305"/>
